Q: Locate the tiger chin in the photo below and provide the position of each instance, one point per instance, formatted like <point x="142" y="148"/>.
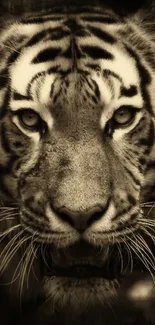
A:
<point x="76" y="158"/>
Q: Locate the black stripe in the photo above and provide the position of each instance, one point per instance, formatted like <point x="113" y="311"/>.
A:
<point x="93" y="66"/>
<point x="4" y="139"/>
<point x="72" y="25"/>
<point x="96" y="52"/>
<point x="133" y="216"/>
<point x="96" y="89"/>
<point x="129" y="92"/>
<point x="107" y="72"/>
<point x="55" y="96"/>
<point x="104" y="36"/>
<point x="3" y="108"/>
<point x="136" y="181"/>
<point x="54" y="69"/>
<point x="39" y="74"/>
<point x="149" y="141"/>
<point x="132" y="200"/>
<point x="76" y="29"/>
<point x="151" y="165"/>
<point x="3" y="78"/>
<point x="14" y="56"/>
<point x="48" y="54"/>
<point x="138" y="129"/>
<point x="18" y="96"/>
<point x="36" y="38"/>
<point x="40" y="20"/>
<point x="145" y="77"/>
<point x="100" y="19"/>
<point x="89" y="82"/>
<point x="91" y="97"/>
<point x="57" y="34"/>
<point x="50" y="34"/>
<point x="142" y="161"/>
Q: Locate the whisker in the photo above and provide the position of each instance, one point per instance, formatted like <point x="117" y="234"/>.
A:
<point x="142" y="255"/>
<point x="11" y="48"/>
<point x="31" y="263"/>
<point x="146" y="250"/>
<point x="43" y="254"/>
<point x="148" y="233"/>
<point x="7" y="218"/>
<point x="144" y="262"/>
<point x="130" y="257"/>
<point x="121" y="256"/>
<point x="9" y="208"/>
<point x="8" y="231"/>
<point x="17" y="273"/>
<point x="147" y="222"/>
<point x="27" y="255"/>
<point x="9" y="251"/>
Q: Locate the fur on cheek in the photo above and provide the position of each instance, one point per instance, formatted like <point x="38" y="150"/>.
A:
<point x="78" y="295"/>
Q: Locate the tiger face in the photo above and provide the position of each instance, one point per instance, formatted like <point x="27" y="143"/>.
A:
<point x="77" y="135"/>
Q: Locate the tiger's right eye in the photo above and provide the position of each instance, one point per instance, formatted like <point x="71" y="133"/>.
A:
<point x="29" y="119"/>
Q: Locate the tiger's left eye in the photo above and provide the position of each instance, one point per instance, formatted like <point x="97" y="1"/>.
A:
<point x="124" y="116"/>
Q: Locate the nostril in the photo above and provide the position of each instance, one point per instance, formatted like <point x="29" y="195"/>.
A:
<point x="65" y="217"/>
<point x="97" y="213"/>
<point x="96" y="216"/>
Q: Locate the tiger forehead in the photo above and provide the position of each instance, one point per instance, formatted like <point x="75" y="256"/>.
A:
<point x="73" y="58"/>
<point x="56" y="47"/>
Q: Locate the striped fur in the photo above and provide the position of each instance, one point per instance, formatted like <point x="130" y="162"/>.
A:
<point x="75" y="70"/>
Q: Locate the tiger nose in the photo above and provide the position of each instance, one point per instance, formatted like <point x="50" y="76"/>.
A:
<point x="81" y="220"/>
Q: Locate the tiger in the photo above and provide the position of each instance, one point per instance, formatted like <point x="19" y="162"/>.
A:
<point x="77" y="159"/>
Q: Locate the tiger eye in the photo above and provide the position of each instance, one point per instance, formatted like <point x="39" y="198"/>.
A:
<point x="123" y="116"/>
<point x="29" y="118"/>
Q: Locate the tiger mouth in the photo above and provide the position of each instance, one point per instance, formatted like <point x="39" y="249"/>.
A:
<point x="84" y="262"/>
<point x="83" y="272"/>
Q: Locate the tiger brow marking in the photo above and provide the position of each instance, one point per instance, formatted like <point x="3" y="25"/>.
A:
<point x="145" y="77"/>
<point x="107" y="72"/>
<point x="103" y="35"/>
<point x="3" y="78"/>
<point x="40" y="20"/>
<point x="49" y="54"/>
<point x="34" y="78"/>
<point x="96" y="52"/>
<point x="48" y="34"/>
<point x="128" y="92"/>
<point x="100" y="19"/>
<point x="18" y="96"/>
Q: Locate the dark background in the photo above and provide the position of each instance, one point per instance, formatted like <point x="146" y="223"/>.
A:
<point x="20" y="6"/>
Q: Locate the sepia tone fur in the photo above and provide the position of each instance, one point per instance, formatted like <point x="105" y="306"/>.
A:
<point x="77" y="185"/>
